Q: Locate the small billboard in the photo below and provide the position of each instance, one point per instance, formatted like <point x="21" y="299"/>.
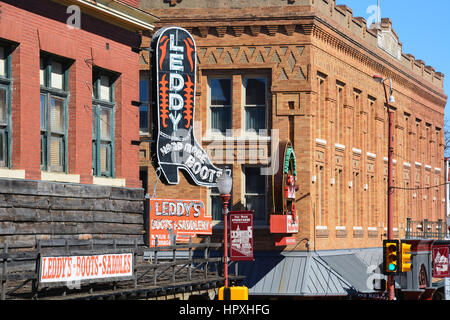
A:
<point x="241" y="235"/>
<point x="179" y="219"/>
<point x="440" y="261"/>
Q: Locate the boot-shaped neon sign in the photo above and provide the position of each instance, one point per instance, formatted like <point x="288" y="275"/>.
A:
<point x="173" y="83"/>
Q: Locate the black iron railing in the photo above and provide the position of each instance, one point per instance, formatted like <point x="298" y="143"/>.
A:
<point x="425" y="229"/>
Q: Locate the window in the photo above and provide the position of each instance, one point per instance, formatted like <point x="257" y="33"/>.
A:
<point x="406" y="202"/>
<point x="144" y="100"/>
<point x="356" y="199"/>
<point x="339" y="189"/>
<point x="356" y="118"/>
<point x="103" y="107"/>
<point x="320" y="191"/>
<point x="371" y="197"/>
<point x="320" y="114"/>
<point x="428" y="142"/>
<point x="220" y="102"/>
<point x="5" y="107"/>
<point x="215" y="202"/>
<point x="53" y="104"/>
<point x="255" y="192"/>
<point x="372" y="125"/>
<point x="417" y="142"/>
<point x="255" y="96"/>
<point x="339" y="110"/>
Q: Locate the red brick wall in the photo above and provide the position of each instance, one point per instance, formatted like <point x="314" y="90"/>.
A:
<point x="43" y="28"/>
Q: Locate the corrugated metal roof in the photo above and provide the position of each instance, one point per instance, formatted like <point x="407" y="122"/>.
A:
<point x="331" y="273"/>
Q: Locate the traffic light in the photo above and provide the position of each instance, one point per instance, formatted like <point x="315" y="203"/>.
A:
<point x="405" y="257"/>
<point x="390" y="256"/>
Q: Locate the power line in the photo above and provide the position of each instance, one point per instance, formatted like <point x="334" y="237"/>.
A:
<point x="422" y="188"/>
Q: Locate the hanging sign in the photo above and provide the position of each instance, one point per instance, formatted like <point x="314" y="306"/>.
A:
<point x="241" y="235"/>
<point x="179" y="219"/>
<point x="440" y="261"/>
<point x="284" y="217"/>
<point x="174" y="77"/>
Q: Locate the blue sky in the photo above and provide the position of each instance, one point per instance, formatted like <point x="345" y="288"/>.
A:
<point x="422" y="26"/>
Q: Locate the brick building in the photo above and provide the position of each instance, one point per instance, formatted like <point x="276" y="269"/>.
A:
<point x="68" y="79"/>
<point x="303" y="70"/>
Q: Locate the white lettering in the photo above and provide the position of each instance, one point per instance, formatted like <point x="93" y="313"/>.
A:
<point x="175" y="102"/>
<point x="175" y="121"/>
<point x="74" y="21"/>
<point x="174" y="47"/>
<point x="176" y="82"/>
<point x="176" y="62"/>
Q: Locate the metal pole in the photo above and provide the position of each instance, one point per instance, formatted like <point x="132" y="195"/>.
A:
<point x="225" y="199"/>
<point x="390" y="233"/>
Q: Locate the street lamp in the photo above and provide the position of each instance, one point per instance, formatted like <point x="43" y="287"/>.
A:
<point x="390" y="233"/>
<point x="224" y="184"/>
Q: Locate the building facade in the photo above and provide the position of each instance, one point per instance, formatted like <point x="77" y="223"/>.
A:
<point x="69" y="125"/>
<point x="303" y="71"/>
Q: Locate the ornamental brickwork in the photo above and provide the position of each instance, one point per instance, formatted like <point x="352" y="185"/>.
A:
<point x="319" y="61"/>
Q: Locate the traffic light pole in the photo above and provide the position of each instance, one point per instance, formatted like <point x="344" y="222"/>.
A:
<point x="390" y="190"/>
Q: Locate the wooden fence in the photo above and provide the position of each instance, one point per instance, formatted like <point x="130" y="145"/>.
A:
<point x="156" y="272"/>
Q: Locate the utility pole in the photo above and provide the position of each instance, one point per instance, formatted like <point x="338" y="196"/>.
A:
<point x="390" y="188"/>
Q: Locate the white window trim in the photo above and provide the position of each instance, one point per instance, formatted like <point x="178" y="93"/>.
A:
<point x="105" y="181"/>
<point x="60" y="177"/>
<point x="10" y="173"/>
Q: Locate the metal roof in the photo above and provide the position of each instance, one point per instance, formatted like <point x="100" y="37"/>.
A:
<point x="327" y="273"/>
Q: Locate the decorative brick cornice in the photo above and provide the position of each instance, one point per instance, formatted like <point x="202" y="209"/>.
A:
<point x="238" y="30"/>
<point x="321" y="31"/>
<point x="221" y="31"/>
<point x="203" y="31"/>
<point x="272" y="29"/>
<point x="255" y="30"/>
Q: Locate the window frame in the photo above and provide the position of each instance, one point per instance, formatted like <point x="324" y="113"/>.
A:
<point x="98" y="105"/>
<point x="47" y="133"/>
<point x="5" y="128"/>
<point x="244" y="78"/>
<point x="321" y="105"/>
<point x="144" y="77"/>
<point x="263" y="193"/>
<point x="215" y="131"/>
<point x="340" y="112"/>
<point x="212" y="193"/>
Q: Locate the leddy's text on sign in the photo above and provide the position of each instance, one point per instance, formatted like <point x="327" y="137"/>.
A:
<point x="72" y="268"/>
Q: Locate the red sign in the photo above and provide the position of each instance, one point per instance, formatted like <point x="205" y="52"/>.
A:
<point x="283" y="223"/>
<point x="241" y="235"/>
<point x="180" y="218"/>
<point x="285" y="241"/>
<point x="440" y="262"/>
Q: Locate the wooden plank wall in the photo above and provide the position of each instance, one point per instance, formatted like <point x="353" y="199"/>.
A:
<point x="41" y="210"/>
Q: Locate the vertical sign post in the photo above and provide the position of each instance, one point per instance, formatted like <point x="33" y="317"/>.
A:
<point x="241" y="235"/>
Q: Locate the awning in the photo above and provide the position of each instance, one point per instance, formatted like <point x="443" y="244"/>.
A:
<point x="321" y="273"/>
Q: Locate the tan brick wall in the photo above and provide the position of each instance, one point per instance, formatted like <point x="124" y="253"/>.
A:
<point x="292" y="53"/>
